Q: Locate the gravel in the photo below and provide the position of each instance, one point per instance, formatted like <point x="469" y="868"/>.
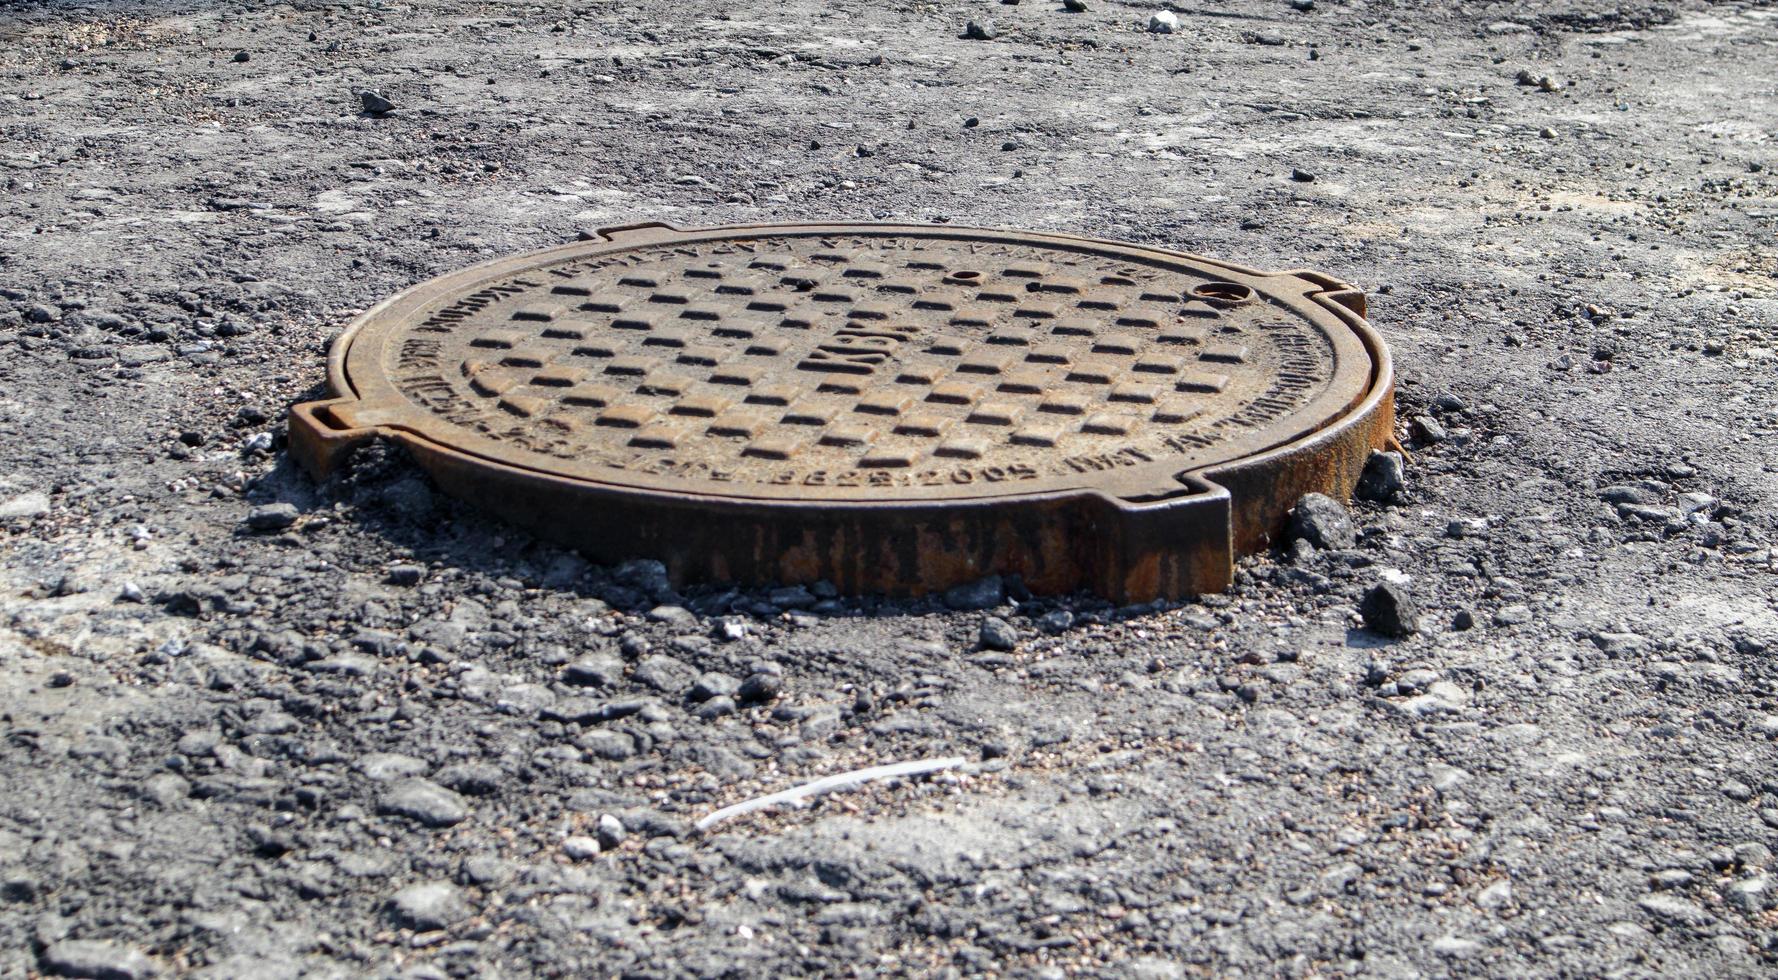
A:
<point x="1566" y="771"/>
<point x="429" y="906"/>
<point x="1323" y="522"/>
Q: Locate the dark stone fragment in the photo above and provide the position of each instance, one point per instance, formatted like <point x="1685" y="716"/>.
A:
<point x="1382" y="478"/>
<point x="761" y="687"/>
<point x="1388" y="609"/>
<point x="1323" y="522"/>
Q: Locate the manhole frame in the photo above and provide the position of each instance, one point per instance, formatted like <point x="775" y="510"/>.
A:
<point x="1142" y="537"/>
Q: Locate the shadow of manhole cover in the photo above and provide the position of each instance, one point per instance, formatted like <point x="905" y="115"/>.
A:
<point x="891" y="408"/>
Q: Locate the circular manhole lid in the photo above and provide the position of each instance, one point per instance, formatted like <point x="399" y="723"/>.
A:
<point x="862" y="383"/>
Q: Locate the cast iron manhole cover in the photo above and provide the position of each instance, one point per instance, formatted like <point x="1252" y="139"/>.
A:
<point x="891" y="408"/>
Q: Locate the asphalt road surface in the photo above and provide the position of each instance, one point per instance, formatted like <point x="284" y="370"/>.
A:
<point x="368" y="731"/>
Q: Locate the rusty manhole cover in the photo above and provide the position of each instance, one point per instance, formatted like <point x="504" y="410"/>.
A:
<point x="891" y="408"/>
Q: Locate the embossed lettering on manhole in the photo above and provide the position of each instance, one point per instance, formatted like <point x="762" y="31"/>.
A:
<point x="893" y="408"/>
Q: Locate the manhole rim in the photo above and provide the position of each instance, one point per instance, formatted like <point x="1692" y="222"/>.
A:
<point x="1148" y="483"/>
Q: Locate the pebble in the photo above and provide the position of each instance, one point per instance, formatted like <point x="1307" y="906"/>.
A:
<point x="761" y="687"/>
<point x="471" y="778"/>
<point x="1075" y="6"/>
<point x="242" y="57"/>
<point x="663" y="673"/>
<point x="1055" y="621"/>
<point x="1388" y="609"/>
<point x="1323" y="522"/>
<point x="579" y="848"/>
<point x="375" y="103"/>
<point x="272" y="517"/>
<point x="1302" y="176"/>
<point x="982" y="30"/>
<point x="424" y="801"/>
<point x="1382" y="478"/>
<point x="678" y="617"/>
<point x="981" y="594"/>
<point x="1512" y="616"/>
<point x="1449" y="402"/>
<point x="1495" y="896"/>
<point x="97" y="959"/>
<point x="611" y="831"/>
<point x="386" y="766"/>
<point x="1427" y="429"/>
<point x="25" y="505"/>
<point x="405" y="574"/>
<point x="1752" y="895"/>
<point x="166" y="788"/>
<point x="1163" y="22"/>
<point x="598" y="671"/>
<point x="429" y="906"/>
<point x="714" y="685"/>
<point x="998" y="634"/>
<point x="716" y="707"/>
<point x="1672" y="908"/>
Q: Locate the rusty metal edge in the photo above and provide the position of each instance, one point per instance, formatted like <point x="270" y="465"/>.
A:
<point x="341" y="385"/>
<point x="1137" y="554"/>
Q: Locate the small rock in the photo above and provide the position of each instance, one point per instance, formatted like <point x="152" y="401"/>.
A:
<point x="424" y="801"/>
<point x="1382" y="478"/>
<point x="97" y="959"/>
<point x="1620" y="644"/>
<point x="375" y="103"/>
<point x="1163" y="22"/>
<point x="1495" y="896"/>
<point x="980" y="30"/>
<point x="714" y="685"/>
<point x="242" y="57"/>
<point x="1055" y="621"/>
<point x="1302" y="176"/>
<point x="1449" y="402"/>
<point x="998" y="634"/>
<point x="386" y="766"/>
<point x="1546" y="133"/>
<point x="581" y="848"/>
<point x="1672" y="908"/>
<point x="1512" y="616"/>
<point x="471" y="778"/>
<point x="1075" y="6"/>
<point x="611" y="831"/>
<point x="272" y="517"/>
<point x="39" y="313"/>
<point x="717" y="707"/>
<point x="605" y="744"/>
<point x="598" y="671"/>
<point x="1323" y="522"/>
<point x="1456" y="947"/>
<point x="25" y="505"/>
<point x="1427" y="429"/>
<point x="678" y="617"/>
<point x="405" y="574"/>
<point x="1388" y="609"/>
<point x="1751" y="895"/>
<point x="983" y="593"/>
<point x="166" y="788"/>
<point x="664" y="673"/>
<point x="429" y="906"/>
<point x="761" y="687"/>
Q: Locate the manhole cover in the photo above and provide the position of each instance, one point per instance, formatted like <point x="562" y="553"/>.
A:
<point x="891" y="408"/>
